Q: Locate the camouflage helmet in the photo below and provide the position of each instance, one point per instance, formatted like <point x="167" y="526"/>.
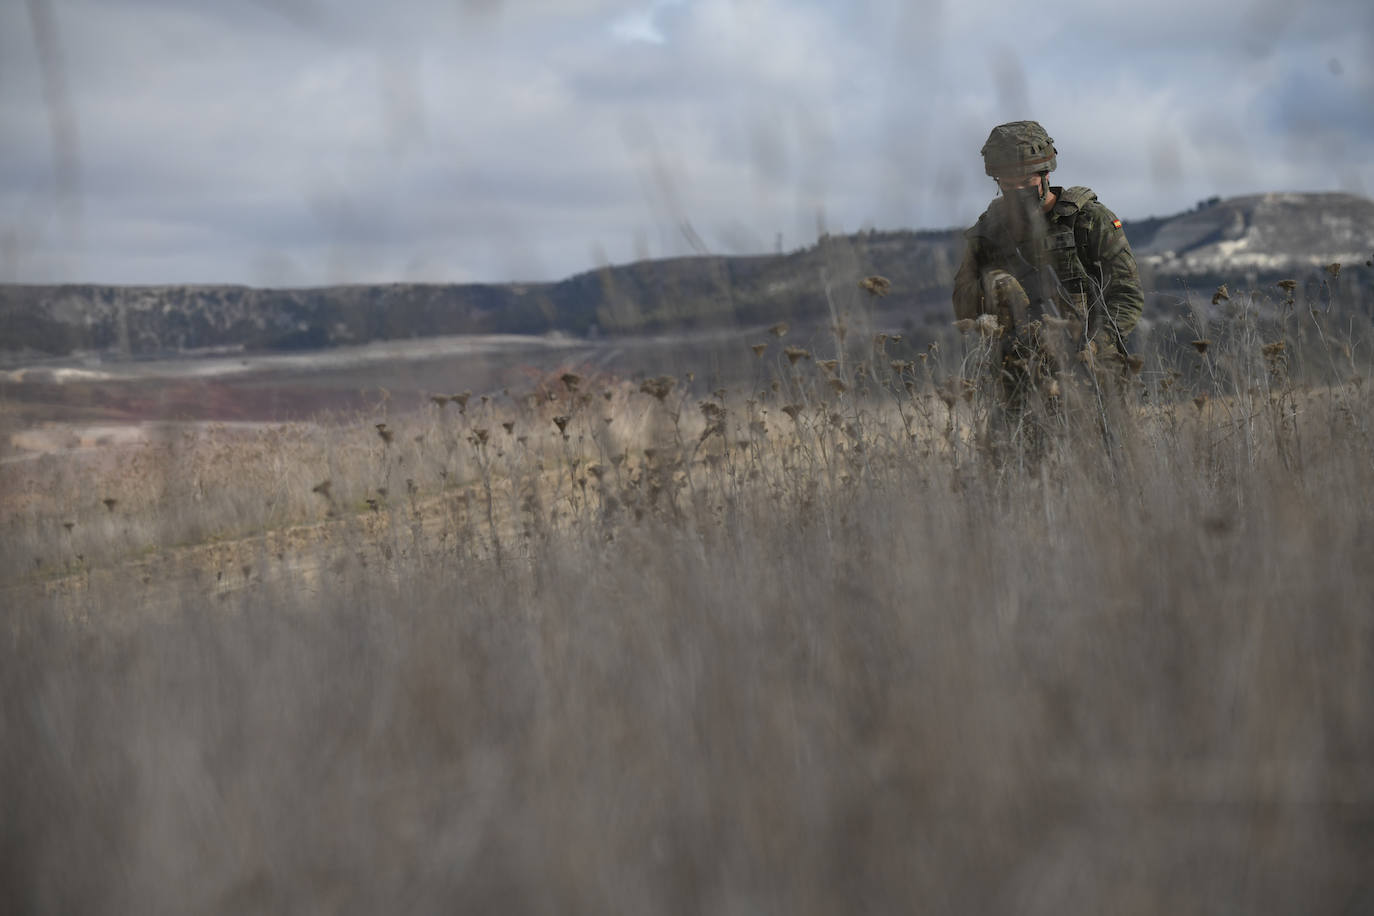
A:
<point x="1018" y="148"/>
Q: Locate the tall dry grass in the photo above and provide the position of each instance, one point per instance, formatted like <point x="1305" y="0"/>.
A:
<point x="819" y="643"/>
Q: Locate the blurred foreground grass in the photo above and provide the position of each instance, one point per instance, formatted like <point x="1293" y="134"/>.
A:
<point x="814" y="645"/>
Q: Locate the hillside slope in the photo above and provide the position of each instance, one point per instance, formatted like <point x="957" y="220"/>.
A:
<point x="1244" y="241"/>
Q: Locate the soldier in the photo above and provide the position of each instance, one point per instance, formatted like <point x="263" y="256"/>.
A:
<point x="1041" y="250"/>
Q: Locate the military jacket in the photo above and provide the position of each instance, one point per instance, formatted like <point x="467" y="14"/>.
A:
<point x="1082" y="261"/>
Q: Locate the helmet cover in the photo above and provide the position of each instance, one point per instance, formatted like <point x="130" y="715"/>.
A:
<point x="1018" y="148"/>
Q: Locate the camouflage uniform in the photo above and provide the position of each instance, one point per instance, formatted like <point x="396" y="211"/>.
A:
<point x="1081" y="262"/>
<point x="1023" y="264"/>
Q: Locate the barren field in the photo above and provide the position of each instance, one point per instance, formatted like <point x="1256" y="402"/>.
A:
<point x="812" y="627"/>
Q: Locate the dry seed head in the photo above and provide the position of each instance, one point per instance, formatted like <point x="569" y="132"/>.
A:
<point x="965" y="325"/>
<point x="1200" y="401"/>
<point x="1201" y="345"/>
<point x="439" y="399"/>
<point x="988" y="326"/>
<point x="1222" y="294"/>
<point x="758" y="348"/>
<point x="480" y="435"/>
<point x="1287" y="285"/>
<point x="778" y="329"/>
<point x="509" y="426"/>
<point x="796" y="353"/>
<point x="838" y="385"/>
<point x="829" y="365"/>
<point x="1334" y="269"/>
<point x="561" y="421"/>
<point x="876" y="285"/>
<point x="571" y="380"/>
<point x="110" y="502"/>
<point x="659" y="387"/>
<point x="792" y="410"/>
<point x="322" y="487"/>
<point x="461" y="399"/>
<point x="69" y="525"/>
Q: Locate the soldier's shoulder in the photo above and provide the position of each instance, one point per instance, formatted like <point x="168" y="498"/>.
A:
<point x="1073" y="199"/>
<point x="986" y="220"/>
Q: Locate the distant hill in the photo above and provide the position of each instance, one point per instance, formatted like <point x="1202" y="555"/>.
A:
<point x="1252" y="240"/>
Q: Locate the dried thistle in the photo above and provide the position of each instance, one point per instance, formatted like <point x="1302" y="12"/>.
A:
<point x="480" y="435"/>
<point x="1200" y="401"/>
<point x="988" y="325"/>
<point x="659" y="387"/>
<point x="838" y="385"/>
<point x="796" y="353"/>
<point x="829" y="365"/>
<point x="110" y="502"/>
<point x="711" y="410"/>
<point x="1287" y="286"/>
<point x="561" y="421"/>
<point x="461" y="399"/>
<point x="792" y="410"/>
<point x="758" y="348"/>
<point x="571" y="380"/>
<point x="385" y="433"/>
<point x="1201" y="345"/>
<point x="1222" y="294"/>
<point x="69" y="525"/>
<point x="965" y="325"/>
<point x="1334" y="269"/>
<point x="509" y="426"/>
<point x="778" y="329"/>
<point x="439" y="399"/>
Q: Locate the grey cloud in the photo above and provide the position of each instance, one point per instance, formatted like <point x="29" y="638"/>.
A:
<point x="487" y="139"/>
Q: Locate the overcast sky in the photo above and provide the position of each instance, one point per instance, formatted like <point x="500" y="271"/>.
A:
<point x="302" y="142"/>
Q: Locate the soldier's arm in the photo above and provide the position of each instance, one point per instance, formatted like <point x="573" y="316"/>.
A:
<point x="1111" y="264"/>
<point x="968" y="284"/>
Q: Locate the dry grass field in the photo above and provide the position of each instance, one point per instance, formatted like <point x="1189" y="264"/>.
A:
<point x="832" y="641"/>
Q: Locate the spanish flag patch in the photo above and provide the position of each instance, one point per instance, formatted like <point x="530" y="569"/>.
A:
<point x="1116" y="224"/>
